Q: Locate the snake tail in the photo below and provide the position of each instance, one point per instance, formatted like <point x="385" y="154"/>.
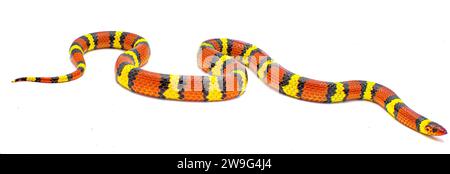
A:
<point x="228" y="85"/>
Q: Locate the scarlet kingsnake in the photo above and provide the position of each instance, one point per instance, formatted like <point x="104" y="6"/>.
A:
<point x="226" y="61"/>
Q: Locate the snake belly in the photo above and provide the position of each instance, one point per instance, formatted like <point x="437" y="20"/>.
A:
<point x="226" y="60"/>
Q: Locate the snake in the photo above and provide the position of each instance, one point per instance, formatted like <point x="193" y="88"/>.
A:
<point x="226" y="62"/>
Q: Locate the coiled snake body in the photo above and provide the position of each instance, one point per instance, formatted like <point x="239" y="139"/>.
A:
<point x="226" y="61"/>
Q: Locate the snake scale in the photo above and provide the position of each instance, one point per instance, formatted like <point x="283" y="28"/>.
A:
<point x="226" y="61"/>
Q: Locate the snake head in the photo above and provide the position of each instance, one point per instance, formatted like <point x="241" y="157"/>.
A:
<point x="435" y="129"/>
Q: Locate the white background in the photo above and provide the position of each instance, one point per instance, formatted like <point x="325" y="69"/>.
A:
<point x="401" y="44"/>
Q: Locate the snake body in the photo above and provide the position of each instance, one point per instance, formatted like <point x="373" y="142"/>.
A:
<point x="226" y="61"/>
